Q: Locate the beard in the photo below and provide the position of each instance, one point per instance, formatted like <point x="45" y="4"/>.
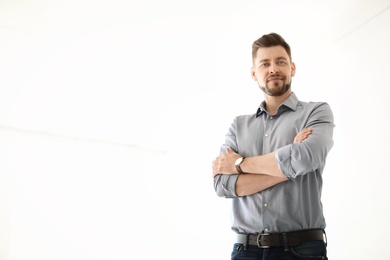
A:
<point x="275" y="89"/>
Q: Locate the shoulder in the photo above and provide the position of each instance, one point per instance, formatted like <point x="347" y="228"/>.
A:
<point x="245" y="118"/>
<point x="319" y="111"/>
<point x="241" y="121"/>
<point x="314" y="105"/>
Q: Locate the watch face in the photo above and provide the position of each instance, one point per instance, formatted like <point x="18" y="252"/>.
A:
<point x="238" y="161"/>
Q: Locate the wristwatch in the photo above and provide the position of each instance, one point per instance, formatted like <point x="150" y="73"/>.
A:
<point x="238" y="164"/>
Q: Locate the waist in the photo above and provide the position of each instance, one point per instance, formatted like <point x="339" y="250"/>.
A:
<point x="284" y="239"/>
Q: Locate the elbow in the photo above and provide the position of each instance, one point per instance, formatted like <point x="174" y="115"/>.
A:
<point x="304" y="167"/>
<point x="218" y="187"/>
<point x="219" y="192"/>
<point x="221" y="187"/>
<point x="308" y="160"/>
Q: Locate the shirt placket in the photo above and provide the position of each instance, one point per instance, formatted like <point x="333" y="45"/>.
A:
<point x="267" y="148"/>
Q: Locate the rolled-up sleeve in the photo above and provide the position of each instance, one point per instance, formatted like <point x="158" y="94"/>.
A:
<point x="225" y="185"/>
<point x="308" y="156"/>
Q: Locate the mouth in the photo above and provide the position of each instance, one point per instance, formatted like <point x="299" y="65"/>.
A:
<point x="275" y="78"/>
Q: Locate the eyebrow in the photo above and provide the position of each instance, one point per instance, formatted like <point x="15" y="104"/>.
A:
<point x="278" y="58"/>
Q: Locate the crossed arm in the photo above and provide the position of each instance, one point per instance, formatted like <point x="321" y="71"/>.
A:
<point x="261" y="172"/>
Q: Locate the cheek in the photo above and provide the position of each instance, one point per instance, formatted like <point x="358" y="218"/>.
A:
<point x="260" y="76"/>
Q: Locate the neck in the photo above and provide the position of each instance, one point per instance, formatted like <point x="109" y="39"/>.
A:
<point x="273" y="102"/>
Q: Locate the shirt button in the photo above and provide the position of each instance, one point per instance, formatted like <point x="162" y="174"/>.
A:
<point x="271" y="117"/>
<point x="266" y="135"/>
<point x="265" y="204"/>
<point x="266" y="230"/>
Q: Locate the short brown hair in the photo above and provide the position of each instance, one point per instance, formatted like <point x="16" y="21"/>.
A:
<point x="269" y="40"/>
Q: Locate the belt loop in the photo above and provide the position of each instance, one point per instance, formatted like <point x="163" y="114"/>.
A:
<point x="326" y="238"/>
<point x="246" y="242"/>
<point x="285" y="240"/>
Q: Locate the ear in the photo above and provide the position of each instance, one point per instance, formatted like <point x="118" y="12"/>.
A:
<point x="293" y="69"/>
<point x="253" y="74"/>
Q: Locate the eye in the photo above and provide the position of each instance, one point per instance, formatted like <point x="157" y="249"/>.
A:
<point x="282" y="62"/>
<point x="264" y="64"/>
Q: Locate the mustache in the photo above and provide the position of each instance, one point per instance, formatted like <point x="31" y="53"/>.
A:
<point x="276" y="76"/>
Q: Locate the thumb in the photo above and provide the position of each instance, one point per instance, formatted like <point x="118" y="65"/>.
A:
<point x="229" y="151"/>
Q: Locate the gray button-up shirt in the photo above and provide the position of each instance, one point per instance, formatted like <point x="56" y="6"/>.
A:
<point x="296" y="203"/>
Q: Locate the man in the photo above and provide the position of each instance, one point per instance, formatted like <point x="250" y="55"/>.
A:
<point x="271" y="164"/>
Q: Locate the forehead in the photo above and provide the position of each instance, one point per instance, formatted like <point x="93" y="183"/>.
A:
<point x="271" y="53"/>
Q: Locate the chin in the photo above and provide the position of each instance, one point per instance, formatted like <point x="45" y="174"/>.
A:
<point x="277" y="91"/>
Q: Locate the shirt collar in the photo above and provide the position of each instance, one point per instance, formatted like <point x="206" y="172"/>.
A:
<point x="291" y="102"/>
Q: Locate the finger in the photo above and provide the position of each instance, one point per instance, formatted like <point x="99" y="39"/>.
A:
<point x="214" y="170"/>
<point x="303" y="136"/>
<point x="305" y="132"/>
<point x="298" y="139"/>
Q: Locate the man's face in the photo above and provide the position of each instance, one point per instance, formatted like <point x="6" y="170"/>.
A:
<point x="273" y="70"/>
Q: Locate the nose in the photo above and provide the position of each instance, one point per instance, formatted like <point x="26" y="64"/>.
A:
<point x="273" y="69"/>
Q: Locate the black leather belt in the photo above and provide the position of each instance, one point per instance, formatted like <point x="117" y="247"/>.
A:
<point x="286" y="239"/>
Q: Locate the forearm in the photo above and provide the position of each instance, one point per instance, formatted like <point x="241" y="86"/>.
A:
<point x="263" y="173"/>
<point x="248" y="184"/>
<point x="264" y="165"/>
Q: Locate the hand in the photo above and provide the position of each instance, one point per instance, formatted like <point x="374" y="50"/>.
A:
<point x="224" y="164"/>
<point x="302" y="135"/>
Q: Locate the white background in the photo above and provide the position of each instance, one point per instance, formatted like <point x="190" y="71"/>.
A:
<point x="112" y="111"/>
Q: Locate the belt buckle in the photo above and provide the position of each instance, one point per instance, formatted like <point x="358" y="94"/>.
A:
<point x="259" y="238"/>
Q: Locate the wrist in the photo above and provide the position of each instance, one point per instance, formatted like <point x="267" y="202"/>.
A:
<point x="238" y="163"/>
